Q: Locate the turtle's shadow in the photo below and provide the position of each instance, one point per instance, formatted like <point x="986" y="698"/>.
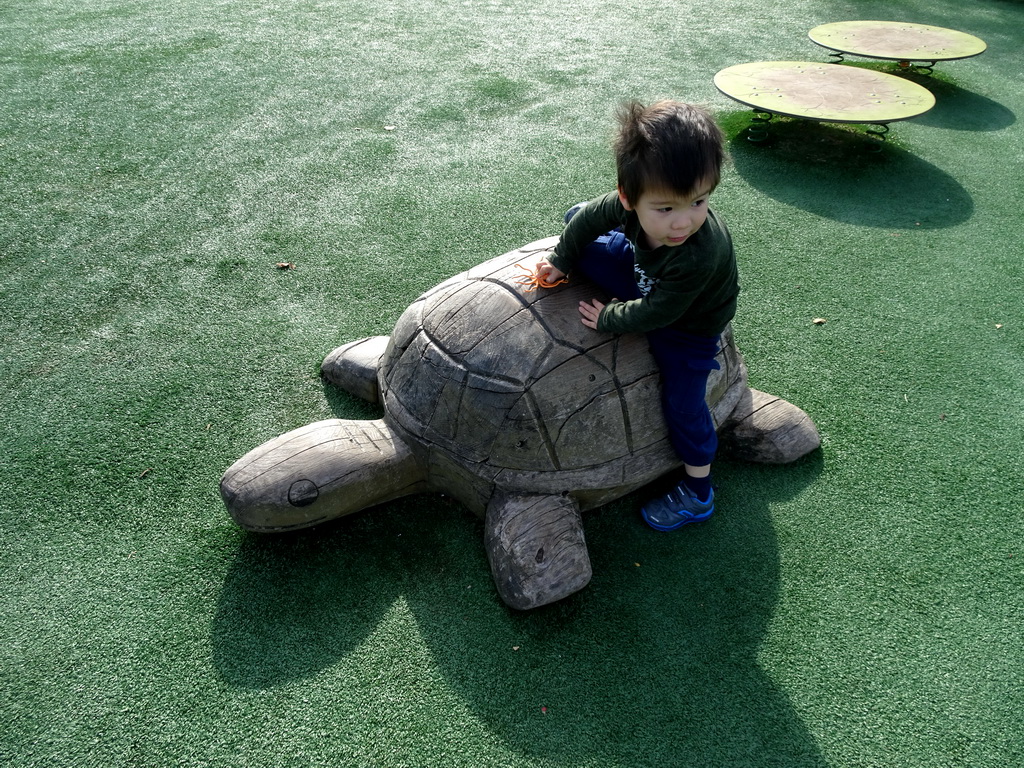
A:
<point x="293" y="603"/>
<point x="659" y="651"/>
<point x="655" y="662"/>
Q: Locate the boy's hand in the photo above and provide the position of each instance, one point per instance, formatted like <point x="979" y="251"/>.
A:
<point x="548" y="272"/>
<point x="590" y="312"/>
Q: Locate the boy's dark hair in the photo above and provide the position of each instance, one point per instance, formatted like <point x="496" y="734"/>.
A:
<point x="667" y="145"/>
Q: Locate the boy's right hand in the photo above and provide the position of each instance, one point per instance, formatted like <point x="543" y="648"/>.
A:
<point x="548" y="272"/>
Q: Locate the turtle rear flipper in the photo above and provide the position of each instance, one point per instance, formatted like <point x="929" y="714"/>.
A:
<point x="353" y="367"/>
<point x="767" y="429"/>
<point x="536" y="548"/>
<point x="319" y="472"/>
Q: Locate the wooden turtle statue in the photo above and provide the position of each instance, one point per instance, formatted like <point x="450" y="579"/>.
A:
<point x="498" y="395"/>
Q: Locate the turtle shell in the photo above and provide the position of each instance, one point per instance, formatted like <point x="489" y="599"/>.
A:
<point x="495" y="386"/>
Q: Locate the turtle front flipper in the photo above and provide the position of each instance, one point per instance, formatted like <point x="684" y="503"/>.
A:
<point x="768" y="429"/>
<point x="319" y="472"/>
<point x="536" y="548"/>
<point x="353" y="367"/>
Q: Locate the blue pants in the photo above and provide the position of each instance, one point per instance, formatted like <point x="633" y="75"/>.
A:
<point x="684" y="360"/>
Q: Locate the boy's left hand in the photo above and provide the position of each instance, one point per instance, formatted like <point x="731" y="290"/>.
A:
<point x="591" y="311"/>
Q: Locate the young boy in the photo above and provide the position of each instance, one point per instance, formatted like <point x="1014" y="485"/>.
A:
<point x="656" y="246"/>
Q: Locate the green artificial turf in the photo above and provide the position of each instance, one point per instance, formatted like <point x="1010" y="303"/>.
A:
<point x="861" y="607"/>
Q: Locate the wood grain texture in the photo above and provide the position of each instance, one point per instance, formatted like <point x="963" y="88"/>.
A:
<point x="353" y="367"/>
<point x="506" y="388"/>
<point x="769" y="430"/>
<point x="536" y="548"/>
<point x="317" y="473"/>
<point x="503" y="399"/>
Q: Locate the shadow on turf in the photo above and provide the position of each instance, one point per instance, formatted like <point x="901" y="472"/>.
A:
<point x="838" y="172"/>
<point x="958" y="109"/>
<point x="654" y="663"/>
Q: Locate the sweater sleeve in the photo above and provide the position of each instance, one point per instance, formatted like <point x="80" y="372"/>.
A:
<point x="598" y="216"/>
<point x="662" y="307"/>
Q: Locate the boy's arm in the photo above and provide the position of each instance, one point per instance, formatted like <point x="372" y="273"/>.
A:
<point x="707" y="273"/>
<point x="661" y="307"/>
<point x="594" y="219"/>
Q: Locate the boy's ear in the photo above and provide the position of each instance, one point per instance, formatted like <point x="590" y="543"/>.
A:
<point x="623" y="200"/>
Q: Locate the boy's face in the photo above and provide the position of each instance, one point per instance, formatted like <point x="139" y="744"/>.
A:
<point x="669" y="218"/>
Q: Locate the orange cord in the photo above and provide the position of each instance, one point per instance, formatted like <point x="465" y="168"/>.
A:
<point x="533" y="281"/>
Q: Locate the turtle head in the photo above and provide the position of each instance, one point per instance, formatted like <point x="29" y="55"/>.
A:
<point x="317" y="473"/>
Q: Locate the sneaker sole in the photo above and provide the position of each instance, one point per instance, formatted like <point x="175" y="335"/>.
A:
<point x="694" y="519"/>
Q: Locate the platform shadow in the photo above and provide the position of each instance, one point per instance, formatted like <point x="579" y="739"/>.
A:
<point x="956" y="108"/>
<point x="667" y="632"/>
<point x="832" y="171"/>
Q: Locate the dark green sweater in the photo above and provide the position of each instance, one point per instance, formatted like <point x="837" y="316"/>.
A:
<point x="690" y="287"/>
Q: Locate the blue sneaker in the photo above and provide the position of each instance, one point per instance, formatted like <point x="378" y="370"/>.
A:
<point x="677" y="508"/>
<point x="573" y="211"/>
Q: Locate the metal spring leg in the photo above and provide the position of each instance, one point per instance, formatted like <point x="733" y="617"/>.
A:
<point x="878" y="132"/>
<point x="757" y="132"/>
<point x="836" y="57"/>
<point x="919" y="69"/>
